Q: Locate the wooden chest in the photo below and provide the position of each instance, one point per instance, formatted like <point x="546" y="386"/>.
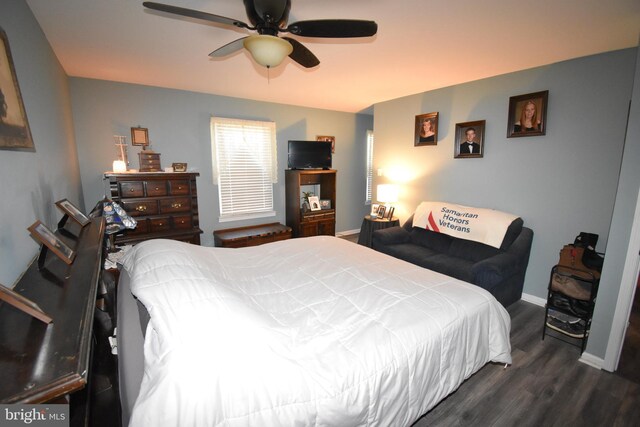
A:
<point x="252" y="235"/>
<point x="149" y="161"/>
<point x="165" y="205"/>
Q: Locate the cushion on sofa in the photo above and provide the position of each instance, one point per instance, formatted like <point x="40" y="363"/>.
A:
<point x="430" y="239"/>
<point x="451" y="266"/>
<point x="470" y="250"/>
<point x="514" y="230"/>
<point x="409" y="252"/>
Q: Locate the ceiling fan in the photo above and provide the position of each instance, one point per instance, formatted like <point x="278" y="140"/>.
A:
<point x="268" y="18"/>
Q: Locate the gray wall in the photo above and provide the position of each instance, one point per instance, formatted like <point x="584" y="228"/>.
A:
<point x="621" y="223"/>
<point x="178" y="123"/>
<point x="561" y="183"/>
<point x="32" y="182"/>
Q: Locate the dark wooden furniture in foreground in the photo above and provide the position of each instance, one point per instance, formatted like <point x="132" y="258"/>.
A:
<point x="369" y="225"/>
<point x="164" y="204"/>
<point x="310" y="223"/>
<point x="42" y="363"/>
<point x="252" y="235"/>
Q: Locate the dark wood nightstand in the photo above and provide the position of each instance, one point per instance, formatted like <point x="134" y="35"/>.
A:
<point x="369" y="225"/>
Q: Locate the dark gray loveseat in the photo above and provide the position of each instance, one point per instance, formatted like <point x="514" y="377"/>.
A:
<point x="500" y="271"/>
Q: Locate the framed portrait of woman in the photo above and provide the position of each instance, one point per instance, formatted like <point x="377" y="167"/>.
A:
<point x="426" y="130"/>
<point x="528" y="115"/>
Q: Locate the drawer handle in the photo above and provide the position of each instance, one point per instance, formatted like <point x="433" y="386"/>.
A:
<point x="180" y="187"/>
<point x="176" y="205"/>
<point x="157" y="188"/>
<point x="182" y="222"/>
<point x="141" y="208"/>
<point x="131" y="190"/>
<point x="160" y="224"/>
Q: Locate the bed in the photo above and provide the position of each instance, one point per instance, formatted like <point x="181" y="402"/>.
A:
<point x="314" y="331"/>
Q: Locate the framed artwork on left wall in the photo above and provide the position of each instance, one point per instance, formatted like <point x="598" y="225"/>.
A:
<point x="14" y="127"/>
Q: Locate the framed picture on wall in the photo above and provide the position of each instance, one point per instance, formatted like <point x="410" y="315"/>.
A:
<point x="14" y="127"/>
<point x="469" y="139"/>
<point x="528" y="115"/>
<point x="331" y="139"/>
<point x="426" y="130"/>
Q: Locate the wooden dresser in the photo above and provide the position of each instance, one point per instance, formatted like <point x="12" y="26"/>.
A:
<point x="164" y="204"/>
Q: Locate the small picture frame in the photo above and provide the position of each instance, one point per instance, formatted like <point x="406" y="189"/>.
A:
<point x="140" y="136"/>
<point x="73" y="212"/>
<point x="381" y="211"/>
<point x="179" y="167"/>
<point x="45" y="236"/>
<point x="325" y="204"/>
<point x="390" y="213"/>
<point x="469" y="140"/>
<point x="331" y="139"/>
<point x="426" y="129"/>
<point x="374" y="210"/>
<point x="23" y="304"/>
<point x="528" y="114"/>
<point x="314" y="203"/>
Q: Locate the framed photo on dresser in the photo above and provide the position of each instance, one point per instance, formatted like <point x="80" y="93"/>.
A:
<point x="73" y="212"/>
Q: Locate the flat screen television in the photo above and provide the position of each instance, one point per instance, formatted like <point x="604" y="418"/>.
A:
<point x="309" y="155"/>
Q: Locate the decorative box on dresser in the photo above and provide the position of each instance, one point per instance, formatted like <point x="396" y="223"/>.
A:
<point x="310" y="223"/>
<point x="164" y="204"/>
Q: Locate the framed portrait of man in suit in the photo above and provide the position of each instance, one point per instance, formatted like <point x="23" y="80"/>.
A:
<point x="469" y="140"/>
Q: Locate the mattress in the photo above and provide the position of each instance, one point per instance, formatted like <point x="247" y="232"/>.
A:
<point x="314" y="331"/>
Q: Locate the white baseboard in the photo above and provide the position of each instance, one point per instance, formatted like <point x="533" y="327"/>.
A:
<point x="534" y="300"/>
<point x="591" y="360"/>
<point x="347" y="232"/>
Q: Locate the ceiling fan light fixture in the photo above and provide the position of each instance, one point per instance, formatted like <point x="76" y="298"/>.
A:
<point x="268" y="51"/>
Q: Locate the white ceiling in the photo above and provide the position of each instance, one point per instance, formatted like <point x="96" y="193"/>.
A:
<point x="421" y="45"/>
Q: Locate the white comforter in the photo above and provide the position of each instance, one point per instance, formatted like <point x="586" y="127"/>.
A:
<point x="303" y="332"/>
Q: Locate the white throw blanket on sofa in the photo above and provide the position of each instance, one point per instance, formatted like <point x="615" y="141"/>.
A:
<point x="486" y="226"/>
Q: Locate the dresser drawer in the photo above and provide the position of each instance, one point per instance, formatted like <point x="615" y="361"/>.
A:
<point x="160" y="224"/>
<point x="142" y="227"/>
<point x="179" y="187"/>
<point x="140" y="207"/>
<point x="182" y="222"/>
<point x="156" y="188"/>
<point x="308" y="179"/>
<point x="131" y="189"/>
<point x="177" y="204"/>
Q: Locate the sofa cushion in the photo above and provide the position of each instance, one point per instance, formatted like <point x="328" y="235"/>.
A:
<point x="409" y="252"/>
<point x="451" y="266"/>
<point x="512" y="233"/>
<point x="430" y="239"/>
<point x="470" y="250"/>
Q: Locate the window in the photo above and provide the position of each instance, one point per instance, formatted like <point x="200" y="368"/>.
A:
<point x="369" y="192"/>
<point x="244" y="167"/>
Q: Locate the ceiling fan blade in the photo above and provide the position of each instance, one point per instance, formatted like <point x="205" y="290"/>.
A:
<point x="301" y="54"/>
<point x="190" y="13"/>
<point x="228" y="48"/>
<point x="333" y="28"/>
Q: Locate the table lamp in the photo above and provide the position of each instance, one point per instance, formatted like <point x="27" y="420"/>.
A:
<point x="388" y="194"/>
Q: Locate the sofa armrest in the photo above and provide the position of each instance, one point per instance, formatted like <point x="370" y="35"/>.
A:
<point x="390" y="236"/>
<point x="493" y="270"/>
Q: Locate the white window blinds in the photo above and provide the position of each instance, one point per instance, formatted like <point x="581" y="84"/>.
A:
<point x="369" y="192"/>
<point x="245" y="169"/>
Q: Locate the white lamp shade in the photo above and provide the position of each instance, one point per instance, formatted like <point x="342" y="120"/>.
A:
<point x="387" y="193"/>
<point x="268" y="51"/>
<point x="119" y="166"/>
